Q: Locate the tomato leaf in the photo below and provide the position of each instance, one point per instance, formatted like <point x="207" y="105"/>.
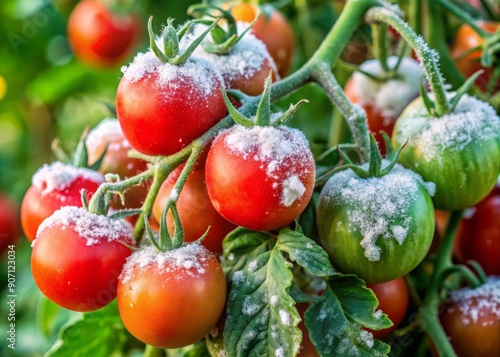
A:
<point x="103" y="328"/>
<point x="261" y="316"/>
<point x="305" y="252"/>
<point x="335" y="320"/>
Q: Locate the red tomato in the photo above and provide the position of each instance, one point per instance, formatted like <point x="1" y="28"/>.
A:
<point x="171" y="299"/>
<point x="466" y="39"/>
<point x="393" y="300"/>
<point x="195" y="210"/>
<point x="162" y="107"/>
<point x="77" y="258"/>
<point x="260" y="178"/>
<point x="478" y="235"/>
<point x="53" y="187"/>
<point x="471" y="319"/>
<point x="100" y="37"/>
<point x="275" y="31"/>
<point x="9" y="222"/>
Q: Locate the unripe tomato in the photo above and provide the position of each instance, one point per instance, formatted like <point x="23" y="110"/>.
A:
<point x="9" y="222"/>
<point x="195" y="210"/>
<point x="260" y="178"/>
<point x="459" y="152"/>
<point x="275" y="31"/>
<point x="54" y="186"/>
<point x="378" y="228"/>
<point x="162" y="107"/>
<point x="171" y="299"/>
<point x="77" y="258"/>
<point x="100" y="37"/>
<point x="471" y="319"/>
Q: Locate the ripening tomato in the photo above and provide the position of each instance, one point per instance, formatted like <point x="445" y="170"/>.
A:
<point x="162" y="107"/>
<point x="459" y="152"/>
<point x="471" y="319"/>
<point x="384" y="101"/>
<point x="171" y="299"/>
<point x="378" y="228"/>
<point x="393" y="300"/>
<point x="9" y="222"/>
<point x="100" y="37"/>
<point x="478" y="235"/>
<point x="195" y="210"/>
<point x="260" y="178"/>
<point x="77" y="258"/>
<point x="469" y="61"/>
<point x="274" y="30"/>
<point x="54" y="186"/>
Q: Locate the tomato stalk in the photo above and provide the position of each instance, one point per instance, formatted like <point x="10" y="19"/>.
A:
<point x="463" y="15"/>
<point x="151" y="351"/>
<point x="380" y="45"/>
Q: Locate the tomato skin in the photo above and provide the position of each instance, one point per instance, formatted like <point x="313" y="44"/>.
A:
<point x="170" y="307"/>
<point x="99" y="37"/>
<point x="149" y="113"/>
<point x="393" y="300"/>
<point x="478" y="235"/>
<point x="466" y="39"/>
<point x="37" y="206"/>
<point x="195" y="210"/>
<point x="9" y="222"/>
<point x="73" y="274"/>
<point x="275" y="31"/>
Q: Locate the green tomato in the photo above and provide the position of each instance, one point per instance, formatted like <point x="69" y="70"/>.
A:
<point x="459" y="152"/>
<point x="379" y="228"/>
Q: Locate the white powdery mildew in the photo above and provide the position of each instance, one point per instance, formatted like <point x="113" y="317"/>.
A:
<point x="108" y="131"/>
<point x="367" y="338"/>
<point x="377" y="204"/>
<point x="238" y="277"/>
<point x="92" y="227"/>
<point x="191" y="259"/>
<point x="58" y="176"/>
<point x="280" y="150"/>
<point x="476" y="303"/>
<point x="285" y="318"/>
<point x="471" y="120"/>
<point x="250" y="308"/>
<point x="280" y="352"/>
<point x="392" y="96"/>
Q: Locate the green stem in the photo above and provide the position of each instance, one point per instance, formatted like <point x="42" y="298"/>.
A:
<point x="465" y="16"/>
<point x="464" y="272"/>
<point x="416" y="16"/>
<point x="426" y="55"/>
<point x="380" y="45"/>
<point x="489" y="10"/>
<point x="151" y="351"/>
<point x="430" y="310"/>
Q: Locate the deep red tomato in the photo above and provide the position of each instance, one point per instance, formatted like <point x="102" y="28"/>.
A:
<point x="383" y="102"/>
<point x="162" y="107"/>
<point x="260" y="178"/>
<point x="171" y="299"/>
<point x="195" y="210"/>
<point x="54" y="186"/>
<point x="478" y="235"/>
<point x="100" y="37"/>
<point x="77" y="258"/>
<point x="465" y="40"/>
<point x="9" y="222"/>
<point x="393" y="300"/>
<point x="275" y="31"/>
<point x="471" y="319"/>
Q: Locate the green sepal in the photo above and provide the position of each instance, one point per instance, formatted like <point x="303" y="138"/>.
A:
<point x="170" y="40"/>
<point x="428" y="102"/>
<point x="388" y="146"/>
<point x="150" y="234"/>
<point x="464" y="88"/>
<point x="375" y="158"/>
<point x="164" y="236"/>
<point x="80" y="156"/>
<point x="263" y="115"/>
<point x="124" y="213"/>
<point x="152" y="43"/>
<point x="58" y="151"/>
<point x="235" y="114"/>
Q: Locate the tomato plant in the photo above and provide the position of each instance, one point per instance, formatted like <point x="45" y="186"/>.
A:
<point x="101" y="37"/>
<point x="85" y="281"/>
<point x="9" y="222"/>
<point x="171" y="299"/>
<point x="54" y="186"/>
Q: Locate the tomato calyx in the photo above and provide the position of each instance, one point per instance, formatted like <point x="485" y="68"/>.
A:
<point x="171" y="37"/>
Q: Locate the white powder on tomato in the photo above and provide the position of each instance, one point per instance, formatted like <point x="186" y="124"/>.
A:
<point x="191" y="259"/>
<point x="108" y="131"/>
<point x="471" y="120"/>
<point x="475" y="304"/>
<point x="392" y="96"/>
<point x="58" y="176"/>
<point x="283" y="153"/>
<point x="377" y="203"/>
<point x="92" y="227"/>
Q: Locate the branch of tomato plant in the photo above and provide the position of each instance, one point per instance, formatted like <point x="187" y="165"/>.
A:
<point x="380" y="45"/>
<point x="464" y="15"/>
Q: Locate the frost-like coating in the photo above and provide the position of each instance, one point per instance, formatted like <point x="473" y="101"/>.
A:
<point x="108" y="131"/>
<point x="92" y="227"/>
<point x="476" y="303"/>
<point x="58" y="176"/>
<point x="191" y="259"/>
<point x="377" y="203"/>
<point x="471" y="120"/>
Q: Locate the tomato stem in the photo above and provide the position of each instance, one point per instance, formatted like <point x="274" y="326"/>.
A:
<point x="463" y="15"/>
<point x="380" y="45"/>
<point x="151" y="351"/>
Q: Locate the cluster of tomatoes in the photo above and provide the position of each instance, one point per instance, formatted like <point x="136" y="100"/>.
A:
<point x="375" y="220"/>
